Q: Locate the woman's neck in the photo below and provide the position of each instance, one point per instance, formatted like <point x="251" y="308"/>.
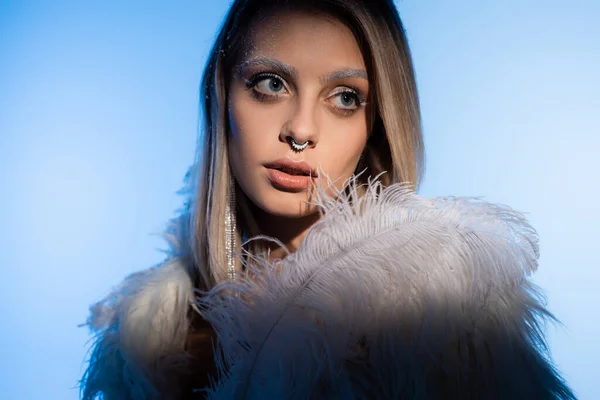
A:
<point x="289" y="231"/>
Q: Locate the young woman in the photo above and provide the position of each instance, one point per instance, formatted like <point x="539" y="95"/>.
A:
<point x="353" y="286"/>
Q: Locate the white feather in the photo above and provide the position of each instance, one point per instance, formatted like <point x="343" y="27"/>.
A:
<point x="390" y="295"/>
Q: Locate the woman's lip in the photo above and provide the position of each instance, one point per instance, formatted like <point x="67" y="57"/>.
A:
<point x="287" y="182"/>
<point x="302" y="167"/>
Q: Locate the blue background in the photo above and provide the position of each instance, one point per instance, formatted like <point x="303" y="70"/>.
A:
<point x="98" y="122"/>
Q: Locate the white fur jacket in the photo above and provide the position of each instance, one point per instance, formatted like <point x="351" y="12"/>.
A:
<point x="390" y="296"/>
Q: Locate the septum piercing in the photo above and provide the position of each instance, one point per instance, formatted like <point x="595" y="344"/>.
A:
<point x="298" y="147"/>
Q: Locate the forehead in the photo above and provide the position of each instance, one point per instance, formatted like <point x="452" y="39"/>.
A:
<point x="302" y="37"/>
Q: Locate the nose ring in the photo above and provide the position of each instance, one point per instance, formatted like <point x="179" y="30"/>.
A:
<point x="296" y="146"/>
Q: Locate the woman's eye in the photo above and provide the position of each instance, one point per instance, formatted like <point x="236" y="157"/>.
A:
<point x="346" y="100"/>
<point x="269" y="84"/>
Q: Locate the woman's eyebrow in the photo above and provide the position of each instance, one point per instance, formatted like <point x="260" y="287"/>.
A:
<point x="270" y="63"/>
<point x="345" y="73"/>
<point x="278" y="65"/>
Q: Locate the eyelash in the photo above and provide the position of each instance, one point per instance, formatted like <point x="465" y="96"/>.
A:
<point x="255" y="79"/>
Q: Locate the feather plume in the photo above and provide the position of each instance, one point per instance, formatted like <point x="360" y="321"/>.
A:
<point x="390" y="295"/>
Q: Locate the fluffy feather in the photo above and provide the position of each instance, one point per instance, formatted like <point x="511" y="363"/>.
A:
<point x="141" y="329"/>
<point x="391" y="295"/>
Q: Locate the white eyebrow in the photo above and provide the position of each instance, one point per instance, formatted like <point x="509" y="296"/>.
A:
<point x="290" y="71"/>
<point x="345" y="73"/>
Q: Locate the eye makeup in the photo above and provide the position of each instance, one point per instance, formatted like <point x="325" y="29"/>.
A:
<point x="274" y="79"/>
<point x="252" y="83"/>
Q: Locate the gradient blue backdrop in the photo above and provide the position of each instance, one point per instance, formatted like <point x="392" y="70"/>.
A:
<point x="98" y="114"/>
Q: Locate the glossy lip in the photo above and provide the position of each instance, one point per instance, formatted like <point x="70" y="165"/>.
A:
<point x="287" y="182"/>
<point x="301" y="167"/>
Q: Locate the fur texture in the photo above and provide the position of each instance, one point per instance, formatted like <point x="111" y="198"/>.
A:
<point x="391" y="296"/>
<point x="140" y="334"/>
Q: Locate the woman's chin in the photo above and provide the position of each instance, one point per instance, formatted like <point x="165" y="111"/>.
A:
<point x="288" y="205"/>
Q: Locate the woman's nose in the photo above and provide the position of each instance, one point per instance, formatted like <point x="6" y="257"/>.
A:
<point x="302" y="126"/>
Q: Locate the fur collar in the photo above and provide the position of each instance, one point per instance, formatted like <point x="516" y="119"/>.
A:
<point x="391" y="295"/>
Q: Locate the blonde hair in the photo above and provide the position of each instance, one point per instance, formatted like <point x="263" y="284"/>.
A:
<point x="395" y="145"/>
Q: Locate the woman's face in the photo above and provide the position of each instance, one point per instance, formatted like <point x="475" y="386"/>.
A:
<point x="302" y="83"/>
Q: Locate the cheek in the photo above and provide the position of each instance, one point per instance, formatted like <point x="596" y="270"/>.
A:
<point x="244" y="128"/>
<point x="252" y="127"/>
<point x="247" y="144"/>
<point x="344" y="147"/>
<point x="240" y="122"/>
<point x="238" y="141"/>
